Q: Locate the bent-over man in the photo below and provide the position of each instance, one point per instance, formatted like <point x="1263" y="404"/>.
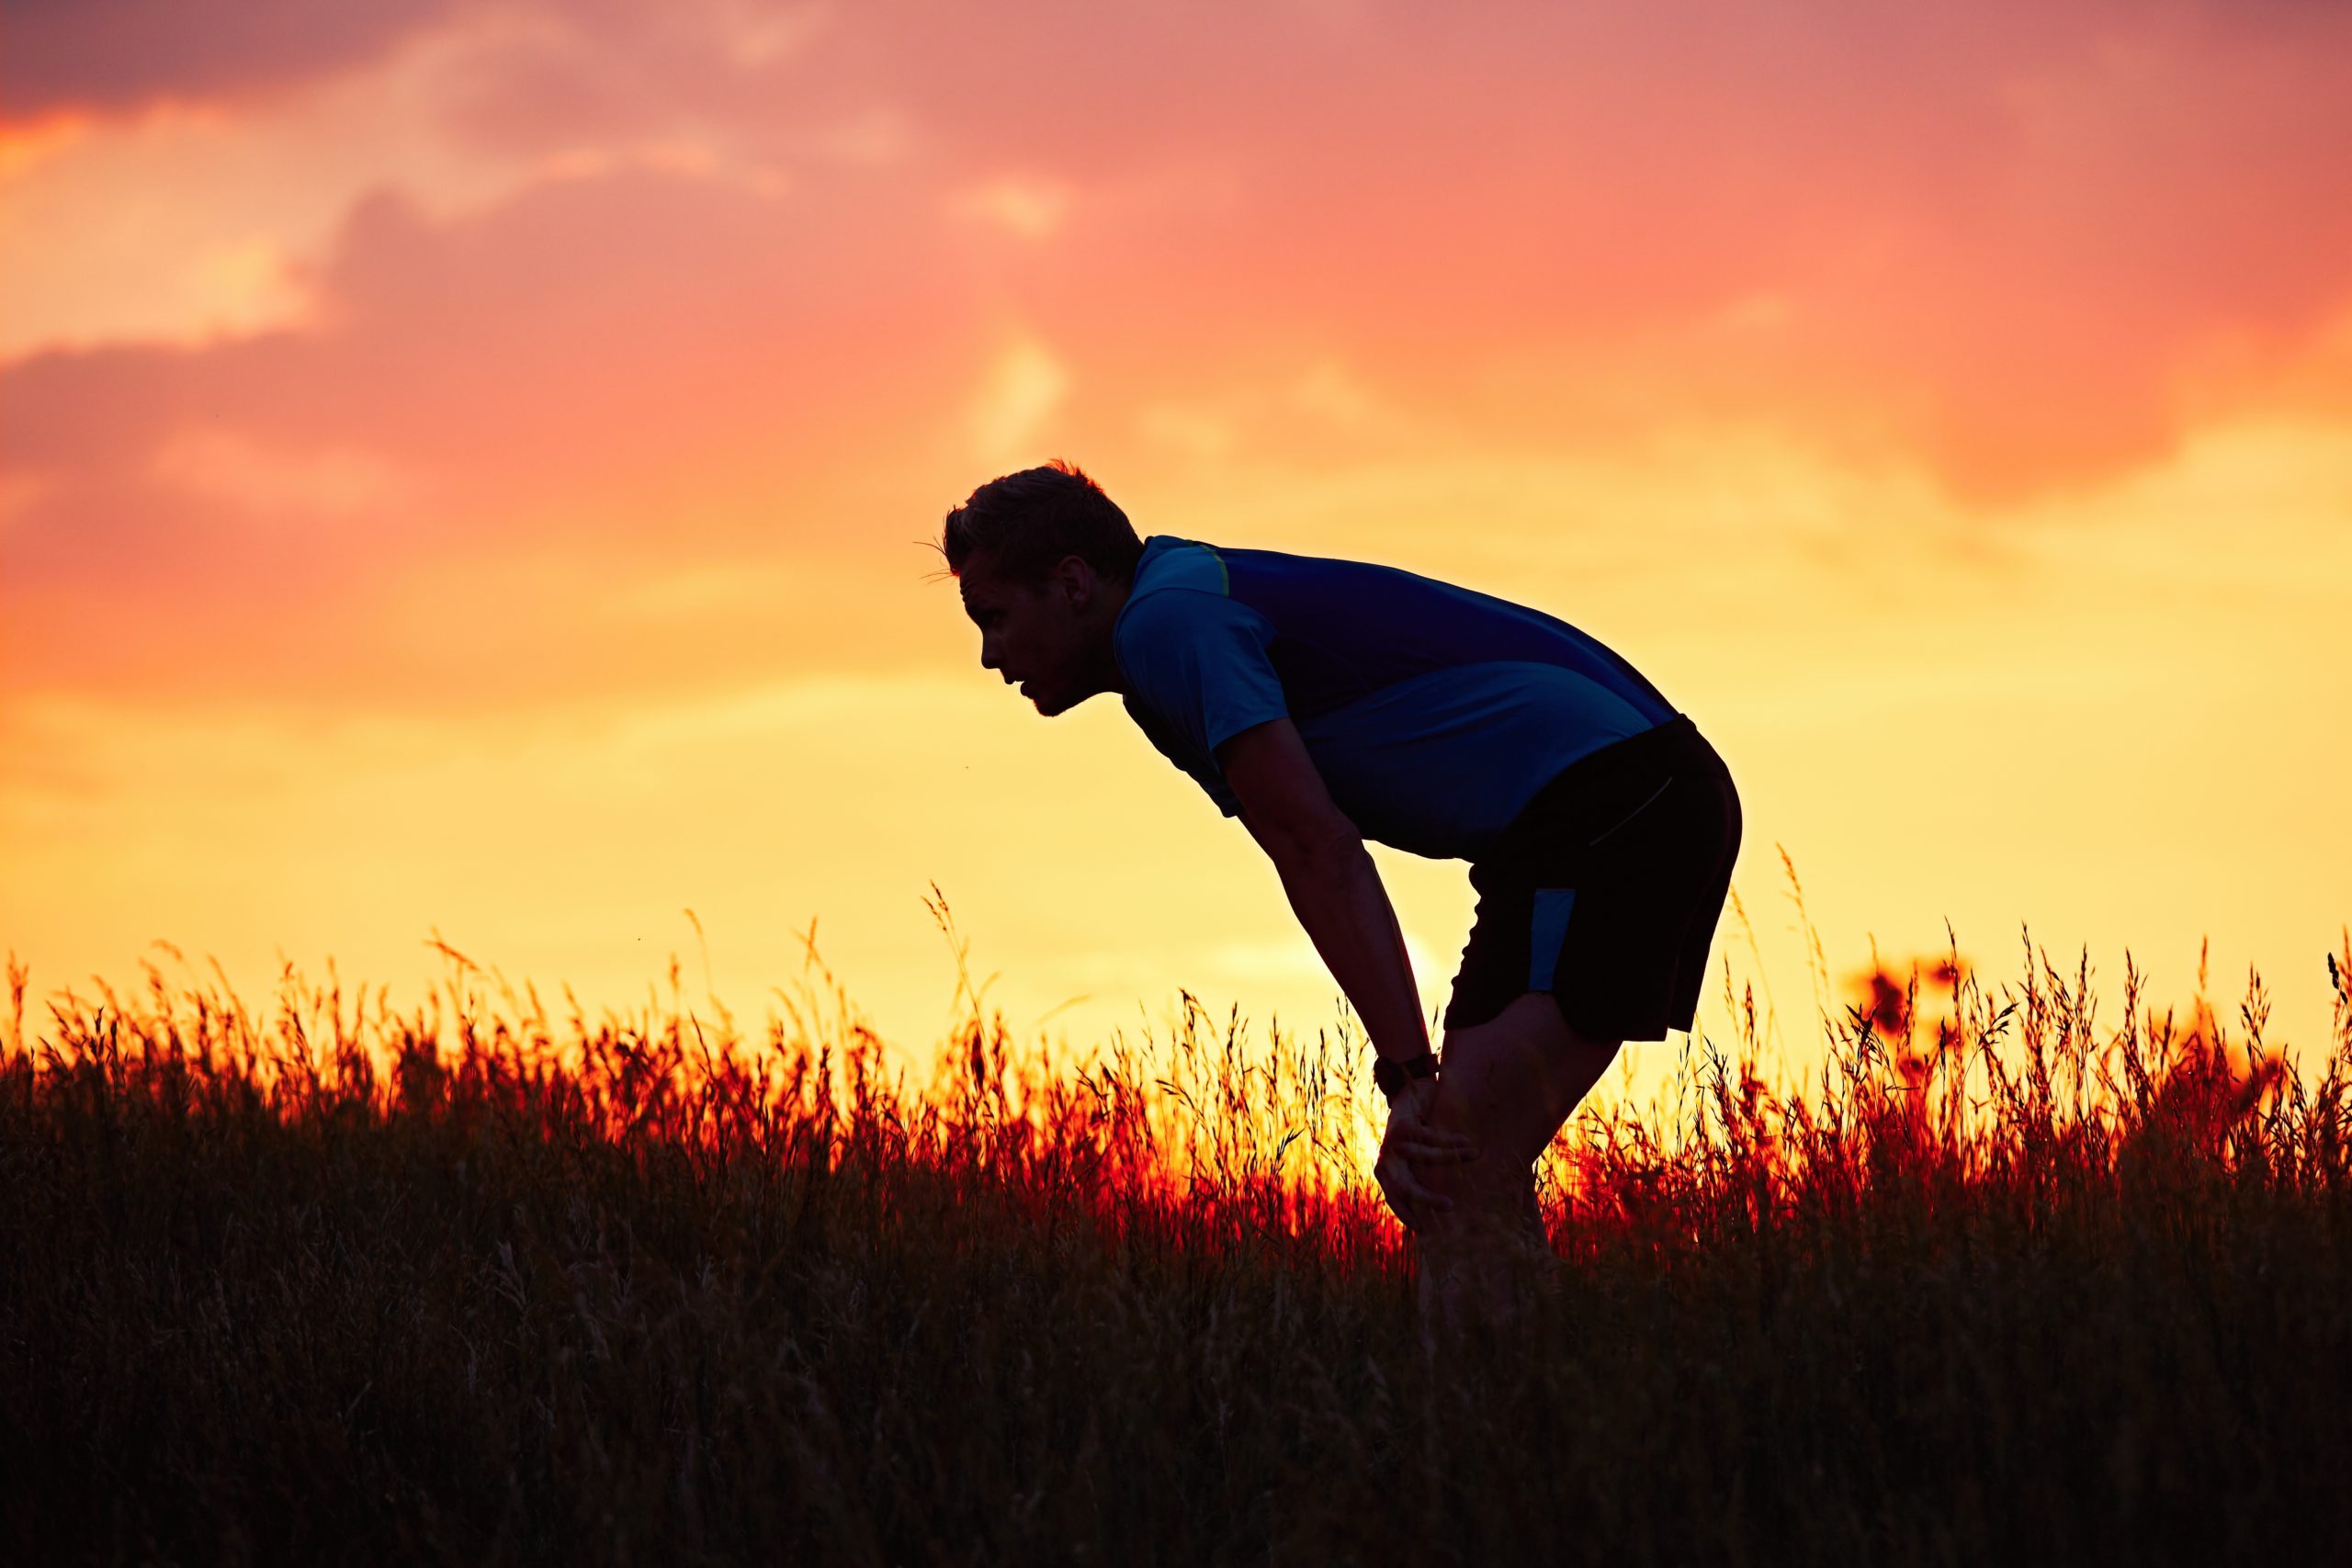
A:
<point x="1326" y="702"/>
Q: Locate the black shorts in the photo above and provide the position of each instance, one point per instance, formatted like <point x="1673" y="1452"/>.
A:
<point x="1605" y="890"/>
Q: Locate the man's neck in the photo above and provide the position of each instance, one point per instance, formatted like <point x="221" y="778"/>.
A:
<point x="1108" y="676"/>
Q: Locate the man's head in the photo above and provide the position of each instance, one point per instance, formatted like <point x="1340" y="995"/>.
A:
<point x="1043" y="560"/>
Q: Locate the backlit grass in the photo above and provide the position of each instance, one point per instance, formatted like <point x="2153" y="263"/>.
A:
<point x="2010" y="1273"/>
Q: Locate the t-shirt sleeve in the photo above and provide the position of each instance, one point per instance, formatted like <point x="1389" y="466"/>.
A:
<point x="1198" y="660"/>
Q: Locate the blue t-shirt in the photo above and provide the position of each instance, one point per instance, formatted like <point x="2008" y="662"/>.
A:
<point x="1434" y="712"/>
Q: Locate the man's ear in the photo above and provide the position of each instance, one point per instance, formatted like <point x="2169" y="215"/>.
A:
<point x="1075" y="578"/>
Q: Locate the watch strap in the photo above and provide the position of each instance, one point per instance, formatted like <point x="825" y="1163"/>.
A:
<point x="1390" y="1074"/>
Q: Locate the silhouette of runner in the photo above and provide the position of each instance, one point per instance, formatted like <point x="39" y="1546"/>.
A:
<point x="1326" y="701"/>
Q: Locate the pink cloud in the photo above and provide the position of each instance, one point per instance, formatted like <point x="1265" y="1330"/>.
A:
<point x="115" y="55"/>
<point x="1988" y="237"/>
<point x="640" y="370"/>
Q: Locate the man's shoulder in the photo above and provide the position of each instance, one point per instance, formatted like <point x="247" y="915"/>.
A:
<point x="1177" y="582"/>
<point x="1170" y="563"/>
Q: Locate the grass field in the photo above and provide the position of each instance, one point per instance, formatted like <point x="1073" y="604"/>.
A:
<point x="1999" y="1280"/>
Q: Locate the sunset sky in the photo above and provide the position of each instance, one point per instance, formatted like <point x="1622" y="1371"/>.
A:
<point x="466" y="466"/>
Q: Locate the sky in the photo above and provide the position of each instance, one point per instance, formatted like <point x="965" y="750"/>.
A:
<point x="468" y="472"/>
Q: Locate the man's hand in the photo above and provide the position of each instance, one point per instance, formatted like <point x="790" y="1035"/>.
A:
<point x="1411" y="1141"/>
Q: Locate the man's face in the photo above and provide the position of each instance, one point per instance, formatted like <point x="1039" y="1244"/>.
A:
<point x="1034" y="634"/>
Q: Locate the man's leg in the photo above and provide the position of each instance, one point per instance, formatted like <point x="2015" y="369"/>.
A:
<point x="1510" y="1083"/>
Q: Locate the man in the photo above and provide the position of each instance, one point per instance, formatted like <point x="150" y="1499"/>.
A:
<point x="1326" y="702"/>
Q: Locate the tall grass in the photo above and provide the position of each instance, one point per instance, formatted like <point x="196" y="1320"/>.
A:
<point x="330" y="1282"/>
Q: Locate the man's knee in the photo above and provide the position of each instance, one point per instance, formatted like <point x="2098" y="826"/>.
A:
<point x="1513" y="1081"/>
<point x="1520" y="1059"/>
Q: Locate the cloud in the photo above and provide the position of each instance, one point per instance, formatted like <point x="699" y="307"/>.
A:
<point x="725" y="302"/>
<point x="606" y="381"/>
<point x="1994" y="237"/>
<point x="1023" y="388"/>
<point x="326" y="484"/>
<point x="114" y="55"/>
<point x="1031" y="208"/>
<point x="490" y="341"/>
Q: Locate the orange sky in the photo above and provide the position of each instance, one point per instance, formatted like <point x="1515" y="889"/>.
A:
<point x="462" y="465"/>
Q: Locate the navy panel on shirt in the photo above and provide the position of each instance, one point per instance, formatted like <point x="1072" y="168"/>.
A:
<point x="1438" y="764"/>
<point x="1432" y="712"/>
<point x="1344" y="628"/>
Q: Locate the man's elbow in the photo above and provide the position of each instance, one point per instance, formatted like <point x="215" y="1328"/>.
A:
<point x="1323" y="849"/>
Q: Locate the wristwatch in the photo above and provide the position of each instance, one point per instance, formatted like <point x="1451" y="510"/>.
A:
<point x="1390" y="1074"/>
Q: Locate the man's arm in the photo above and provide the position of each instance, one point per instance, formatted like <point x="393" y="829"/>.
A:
<point x="1336" y="892"/>
<point x="1334" y="889"/>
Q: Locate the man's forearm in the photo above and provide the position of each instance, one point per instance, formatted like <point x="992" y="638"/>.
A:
<point x="1337" y="896"/>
